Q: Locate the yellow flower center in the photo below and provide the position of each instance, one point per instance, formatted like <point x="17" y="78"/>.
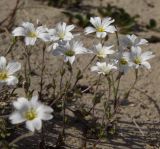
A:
<point x="101" y="54"/>
<point x="69" y="53"/>
<point x="3" y="75"/>
<point x="100" y="29"/>
<point x="31" y="114"/>
<point x="137" y="60"/>
<point x="32" y="34"/>
<point x="61" y="35"/>
<point x="123" y="61"/>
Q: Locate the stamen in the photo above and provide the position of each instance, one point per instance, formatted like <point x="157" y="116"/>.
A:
<point x="32" y="34"/>
<point x="31" y="114"/>
<point x="123" y="61"/>
<point x="100" y="29"/>
<point x="3" y="76"/>
<point x="61" y="35"/>
<point x="69" y="53"/>
<point x="137" y="60"/>
<point x="101" y="54"/>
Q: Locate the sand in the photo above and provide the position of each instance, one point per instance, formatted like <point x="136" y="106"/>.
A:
<point x="143" y="105"/>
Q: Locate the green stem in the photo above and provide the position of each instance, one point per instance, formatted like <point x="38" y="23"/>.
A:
<point x="10" y="48"/>
<point x="117" y="37"/>
<point x="89" y="63"/>
<point x="28" y="54"/>
<point x="64" y="101"/>
<point x="134" y="83"/>
<point x="99" y="78"/>
<point x="42" y="74"/>
<point x="109" y="86"/>
<point x="62" y="72"/>
<point x="116" y="95"/>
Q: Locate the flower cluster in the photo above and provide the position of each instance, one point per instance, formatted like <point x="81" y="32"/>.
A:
<point x="128" y="55"/>
<point x="63" y="43"/>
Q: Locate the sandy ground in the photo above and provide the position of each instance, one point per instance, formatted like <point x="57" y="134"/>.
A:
<point x="143" y="105"/>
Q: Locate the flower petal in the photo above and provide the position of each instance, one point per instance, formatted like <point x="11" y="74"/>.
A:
<point x="2" y="63"/>
<point x="44" y="36"/>
<point x="96" y="21"/>
<point x="101" y="34"/>
<point x="11" y="80"/>
<point x="110" y="29"/>
<point x="44" y="112"/>
<point x="146" y="64"/>
<point x="30" y="40"/>
<point x="28" y="26"/>
<point x="19" y="31"/>
<point x="30" y="126"/>
<point x="94" y="68"/>
<point x="37" y="123"/>
<point x="16" y="117"/>
<point x="41" y="29"/>
<point x="147" y="55"/>
<point x="13" y="67"/>
<point x="89" y="30"/>
<point x="69" y="59"/>
<point x="34" y="102"/>
<point x="21" y="103"/>
<point x="69" y="28"/>
<point x="107" y="21"/>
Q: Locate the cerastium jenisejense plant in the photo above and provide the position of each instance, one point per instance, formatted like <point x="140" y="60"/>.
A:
<point x="108" y="63"/>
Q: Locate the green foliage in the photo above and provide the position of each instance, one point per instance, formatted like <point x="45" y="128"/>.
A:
<point x="124" y="21"/>
<point x="63" y="3"/>
<point x="4" y="134"/>
<point x="81" y="19"/>
<point x="97" y="98"/>
<point x="152" y="24"/>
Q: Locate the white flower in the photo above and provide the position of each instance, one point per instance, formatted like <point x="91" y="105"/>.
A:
<point x="7" y="71"/>
<point x="61" y="32"/>
<point x="101" y="27"/>
<point x="132" y="40"/>
<point x="30" y="33"/>
<point x="56" y="45"/>
<point x="139" y="59"/>
<point x="103" y="68"/>
<point x="32" y="112"/>
<point x="123" y="61"/>
<point x="102" y="51"/>
<point x="69" y="50"/>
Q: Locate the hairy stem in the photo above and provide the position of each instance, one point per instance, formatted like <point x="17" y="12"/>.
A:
<point x="42" y="74"/>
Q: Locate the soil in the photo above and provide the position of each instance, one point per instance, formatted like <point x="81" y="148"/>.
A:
<point x="139" y="116"/>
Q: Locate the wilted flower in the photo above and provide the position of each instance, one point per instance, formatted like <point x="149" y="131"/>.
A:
<point x="139" y="59"/>
<point x="101" y="27"/>
<point x="69" y="50"/>
<point x="7" y="71"/>
<point x="32" y="112"/>
<point x="102" y="51"/>
<point x="61" y="32"/>
<point x="103" y="68"/>
<point x="132" y="40"/>
<point x="30" y="33"/>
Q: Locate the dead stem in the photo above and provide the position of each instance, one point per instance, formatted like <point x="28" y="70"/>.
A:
<point x="21" y="137"/>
